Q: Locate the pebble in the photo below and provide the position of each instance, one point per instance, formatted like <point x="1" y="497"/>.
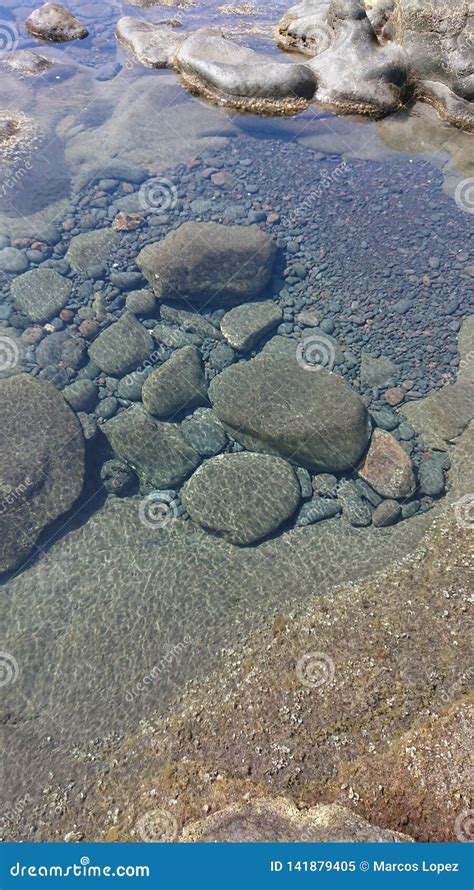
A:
<point x="387" y="513"/>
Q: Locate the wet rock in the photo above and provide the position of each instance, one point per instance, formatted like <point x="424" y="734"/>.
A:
<point x="387" y="513"/>
<point x="316" y="510"/>
<point x="89" y="426"/>
<point x="325" y="484"/>
<point x="190" y="321"/>
<point x="305" y="481"/>
<point x="175" y="338"/>
<point x="221" y="356"/>
<point x="13" y="260"/>
<point x="244" y="326"/>
<point x="107" y="408"/>
<point x="130" y="387"/>
<point x="122" y="346"/>
<point x="117" y="478"/>
<point x="219" y="69"/>
<point x="452" y="108"/>
<point x="242" y="497"/>
<point x="61" y="349"/>
<point x="157" y="451"/>
<point x="385" y="419"/>
<point x="91" y="249"/>
<point x="152" y="45"/>
<point x="204" y="432"/>
<point x="12" y="352"/>
<point x="81" y="395"/>
<point x="277" y="820"/>
<point x="208" y="262"/>
<point x="26" y="63"/>
<point x="444" y="415"/>
<point x="141" y="302"/>
<point x="176" y="385"/>
<point x="42" y="463"/>
<point x="431" y="478"/>
<point x="377" y="372"/>
<point x="272" y="404"/>
<point x="41" y="293"/>
<point x="387" y="467"/>
<point x="53" y="22"/>
<point x="354" y="508"/>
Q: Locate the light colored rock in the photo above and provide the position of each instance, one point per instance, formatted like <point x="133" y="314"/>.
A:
<point x="121" y="347"/>
<point x="177" y="385"/>
<point x="243" y="497"/>
<point x="41" y="293"/>
<point x="244" y="325"/>
<point x="91" y="249"/>
<point x="387" y="467"/>
<point x="53" y="22"/>
<point x="154" y="46"/>
<point x="25" y="62"/>
<point x="377" y="372"/>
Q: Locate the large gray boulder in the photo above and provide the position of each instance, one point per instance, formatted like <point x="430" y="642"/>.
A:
<point x="41" y="465"/>
<point x="176" y="385"/>
<point x="122" y="346"/>
<point x="209" y="263"/>
<point x="41" y="293"/>
<point x="53" y="22"/>
<point x="156" y="451"/>
<point x="242" y="497"/>
<point x="152" y="45"/>
<point x="275" y="405"/>
<point x="219" y="69"/>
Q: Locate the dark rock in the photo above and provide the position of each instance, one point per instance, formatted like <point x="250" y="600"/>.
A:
<point x="53" y="22"/>
<point x="122" y="346"/>
<point x="41" y="294"/>
<point x="117" y="477"/>
<point x="316" y="510"/>
<point x="176" y="385"/>
<point x="387" y="513"/>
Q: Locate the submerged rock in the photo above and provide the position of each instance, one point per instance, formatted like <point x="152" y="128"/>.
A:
<point x="242" y="497"/>
<point x="122" y="346"/>
<point x="204" y="432"/>
<point x="152" y="45"/>
<point x="156" y="451"/>
<point x="312" y="417"/>
<point x="41" y="293"/>
<point x="209" y="263"/>
<point x="42" y="463"/>
<point x="25" y="62"/>
<point x="387" y="467"/>
<point x="91" y="249"/>
<point x="53" y="22"/>
<point x="278" y="820"/>
<point x="217" y="68"/>
<point x="244" y="326"/>
<point x="176" y="385"/>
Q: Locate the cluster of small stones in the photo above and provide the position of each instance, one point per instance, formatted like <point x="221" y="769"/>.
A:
<point x="98" y="283"/>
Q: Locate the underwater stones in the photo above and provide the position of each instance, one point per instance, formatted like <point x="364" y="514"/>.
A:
<point x="354" y="508"/>
<point x="377" y="371"/>
<point x="90" y="250"/>
<point x="278" y="820"/>
<point x="157" y="451"/>
<point x="13" y="260"/>
<point x="209" y="263"/>
<point x="152" y="45"/>
<point x="117" y="478"/>
<point x="217" y="68"/>
<point x="242" y="497"/>
<point x="316" y="510"/>
<point x="122" y="346"/>
<point x="141" y="302"/>
<point x="304" y="28"/>
<point x="387" y="467"/>
<point x="387" y="513"/>
<point x="178" y="384"/>
<point x="204" y="432"/>
<point x="59" y="349"/>
<point x="356" y="73"/>
<point x="443" y="415"/>
<point x="81" y="395"/>
<point x="273" y="404"/>
<point x="175" y="338"/>
<point x="42" y="463"/>
<point x="190" y="321"/>
<point x="53" y="22"/>
<point x="26" y="63"/>
<point x="431" y="478"/>
<point x="243" y="326"/>
<point x="41" y="293"/>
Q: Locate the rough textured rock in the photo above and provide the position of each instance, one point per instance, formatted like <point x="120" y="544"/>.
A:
<point x="190" y="321"/>
<point x="443" y="416"/>
<point x="122" y="346"/>
<point x="176" y="385"/>
<point x="204" y="432"/>
<point x="243" y="326"/>
<point x="209" y="263"/>
<point x="272" y="404"/>
<point x="41" y="293"/>
<point x="277" y="820"/>
<point x="377" y="371"/>
<point x="53" y="22"/>
<point x="81" y="395"/>
<point x="217" y="68"/>
<point x="156" y="451"/>
<point x="387" y="467"/>
<point x="242" y="497"/>
<point x="91" y="249"/>
<point x="153" y="46"/>
<point x="42" y="463"/>
<point x="26" y="63"/>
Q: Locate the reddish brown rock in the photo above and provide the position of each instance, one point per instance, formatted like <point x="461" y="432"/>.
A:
<point x="395" y="395"/>
<point x="387" y="467"/>
<point x="89" y="328"/>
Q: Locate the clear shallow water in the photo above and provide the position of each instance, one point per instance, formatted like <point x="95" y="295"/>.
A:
<point x="366" y="227"/>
